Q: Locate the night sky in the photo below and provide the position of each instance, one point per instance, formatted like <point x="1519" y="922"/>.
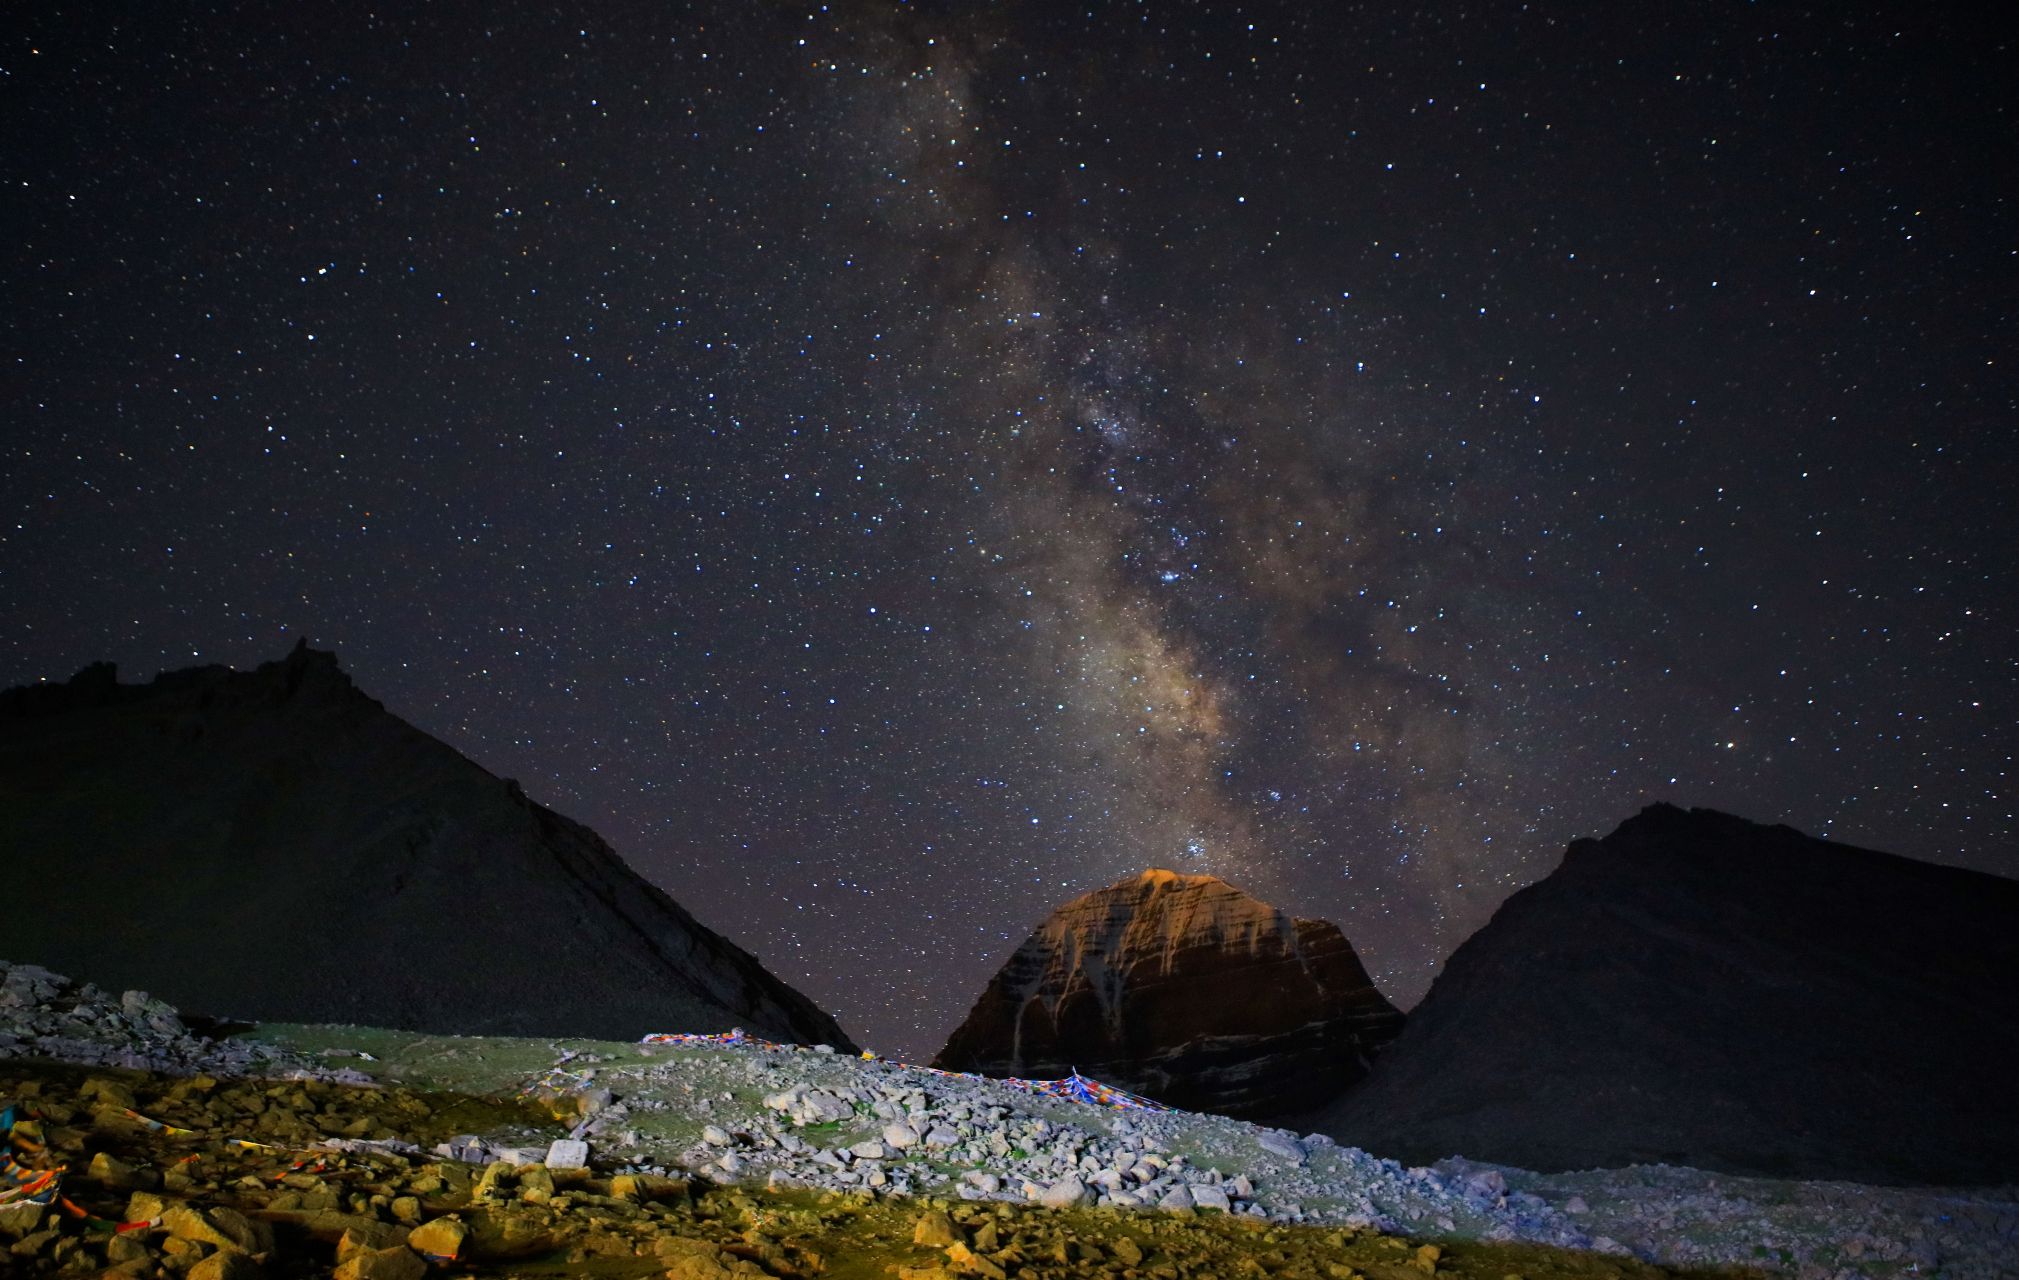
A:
<point x="892" y="468"/>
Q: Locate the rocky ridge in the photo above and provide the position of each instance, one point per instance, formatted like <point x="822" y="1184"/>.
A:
<point x="275" y="844"/>
<point x="546" y="1131"/>
<point x="1184" y="989"/>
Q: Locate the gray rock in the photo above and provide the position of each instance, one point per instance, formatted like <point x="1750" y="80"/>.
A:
<point x="1065" y="1194"/>
<point x="1210" y="1197"/>
<point x="19" y="1220"/>
<point x="1487" y="1184"/>
<point x="518" y="1155"/>
<point x="900" y="1136"/>
<point x="466" y="1147"/>
<point x="820" y="1107"/>
<point x="716" y="1136"/>
<point x="1288" y="1148"/>
<point x="567" y="1153"/>
<point x="1178" y="1197"/>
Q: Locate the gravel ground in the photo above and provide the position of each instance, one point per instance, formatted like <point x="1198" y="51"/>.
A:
<point x="806" y="1119"/>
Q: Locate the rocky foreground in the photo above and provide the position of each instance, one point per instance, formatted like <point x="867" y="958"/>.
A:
<point x="387" y="1155"/>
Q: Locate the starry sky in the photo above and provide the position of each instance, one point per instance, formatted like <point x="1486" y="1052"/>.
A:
<point x="891" y="468"/>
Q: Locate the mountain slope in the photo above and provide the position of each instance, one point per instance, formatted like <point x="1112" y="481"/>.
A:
<point x="275" y="844"/>
<point x="1698" y="989"/>
<point x="1185" y="989"/>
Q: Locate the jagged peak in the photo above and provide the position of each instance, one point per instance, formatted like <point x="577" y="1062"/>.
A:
<point x="1164" y="875"/>
<point x="1156" y="890"/>
<point x="1154" y="912"/>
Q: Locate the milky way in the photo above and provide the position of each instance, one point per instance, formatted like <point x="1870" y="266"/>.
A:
<point x="893" y="468"/>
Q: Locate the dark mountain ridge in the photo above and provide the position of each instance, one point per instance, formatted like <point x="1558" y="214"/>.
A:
<point x="274" y="844"/>
<point x="1698" y="989"/>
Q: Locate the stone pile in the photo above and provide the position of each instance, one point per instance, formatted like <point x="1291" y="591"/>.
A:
<point x="829" y="1123"/>
<point x="774" y="1118"/>
<point x="46" y="1015"/>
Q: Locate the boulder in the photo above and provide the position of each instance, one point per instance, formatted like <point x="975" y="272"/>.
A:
<point x="218" y="1226"/>
<point x="1065" y="1194"/>
<point x="22" y="1220"/>
<point x="144" y="1206"/>
<point x="1285" y="1148"/>
<point x="967" y="1262"/>
<point x="368" y="1236"/>
<point x="112" y="1173"/>
<point x="382" y="1264"/>
<point x="935" y="1229"/>
<point x="227" y="1264"/>
<point x="695" y="1260"/>
<point x="500" y="1232"/>
<point x="899" y="1136"/>
<point x="439" y="1241"/>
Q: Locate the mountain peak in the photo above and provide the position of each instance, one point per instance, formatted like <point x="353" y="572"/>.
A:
<point x="1184" y="988"/>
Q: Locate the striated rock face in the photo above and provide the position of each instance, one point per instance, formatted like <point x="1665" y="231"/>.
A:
<point x="1184" y="989"/>
<point x="1697" y="989"/>
<point x="276" y="845"/>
